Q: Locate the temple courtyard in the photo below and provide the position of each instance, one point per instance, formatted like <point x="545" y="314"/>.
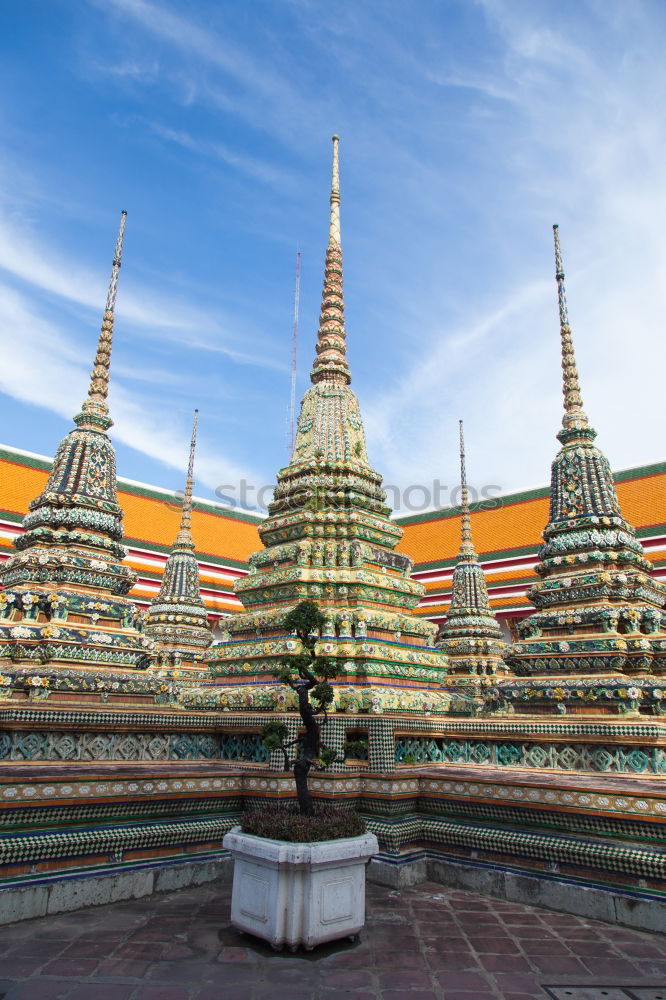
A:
<point x="425" y="943"/>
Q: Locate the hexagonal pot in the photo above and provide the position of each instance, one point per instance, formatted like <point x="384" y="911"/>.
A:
<point x="299" y="894"/>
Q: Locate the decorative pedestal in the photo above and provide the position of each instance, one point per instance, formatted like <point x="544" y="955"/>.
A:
<point x="299" y="894"/>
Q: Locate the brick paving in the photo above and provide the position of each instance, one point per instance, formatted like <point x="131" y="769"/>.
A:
<point x="425" y="943"/>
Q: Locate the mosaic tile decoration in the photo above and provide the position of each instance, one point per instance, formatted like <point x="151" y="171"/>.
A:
<point x="34" y="745"/>
<point x="570" y="822"/>
<point x="112" y="841"/>
<point x="555" y="756"/>
<point x="552" y="848"/>
<point x="121" y="789"/>
<point x="129" y="809"/>
<point x="78" y="820"/>
<point x="567" y="746"/>
<point x="626" y="804"/>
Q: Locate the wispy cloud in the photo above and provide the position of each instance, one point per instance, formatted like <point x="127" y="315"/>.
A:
<point x="257" y="169"/>
<point x="255" y="83"/>
<point x="49" y="372"/>
<point x="27" y="256"/>
<point x="138" y="71"/>
<point x="585" y="148"/>
<point x="467" y="130"/>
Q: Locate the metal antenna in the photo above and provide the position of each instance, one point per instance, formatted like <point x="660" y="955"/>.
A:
<point x="294" y="355"/>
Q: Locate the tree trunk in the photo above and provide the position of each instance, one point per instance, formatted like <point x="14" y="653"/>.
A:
<point x="309" y="754"/>
<point x="301" y="771"/>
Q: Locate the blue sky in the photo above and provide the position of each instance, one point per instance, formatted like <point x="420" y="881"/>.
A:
<point x="467" y="128"/>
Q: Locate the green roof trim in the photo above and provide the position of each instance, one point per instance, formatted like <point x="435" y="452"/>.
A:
<point x="519" y="581"/>
<point x="11" y="515"/>
<point x="530" y="550"/>
<point x="136" y="543"/>
<point x="642" y="472"/>
<point x="157" y="576"/>
<point x="486" y="557"/>
<point x="31" y="461"/>
<point x="495" y="503"/>
<point x="206" y="508"/>
<point x="45" y="465"/>
<point x="509" y="499"/>
<point x="141" y="545"/>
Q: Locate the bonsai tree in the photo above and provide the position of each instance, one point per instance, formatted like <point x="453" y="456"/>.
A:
<point x="309" y="676"/>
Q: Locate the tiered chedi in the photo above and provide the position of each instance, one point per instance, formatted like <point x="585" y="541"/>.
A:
<point x="471" y="636"/>
<point x="177" y="618"/>
<point x="64" y="604"/>
<point x="329" y="537"/>
<point x="598" y="610"/>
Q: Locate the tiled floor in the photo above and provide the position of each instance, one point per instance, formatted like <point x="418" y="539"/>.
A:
<point x="419" y="944"/>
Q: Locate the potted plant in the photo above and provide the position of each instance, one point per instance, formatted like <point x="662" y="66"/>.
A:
<point x="299" y="875"/>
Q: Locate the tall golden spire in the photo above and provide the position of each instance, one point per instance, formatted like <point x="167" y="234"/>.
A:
<point x="94" y="413"/>
<point x="466" y="546"/>
<point x="331" y="361"/>
<point x="575" y="418"/>
<point x="184" y="536"/>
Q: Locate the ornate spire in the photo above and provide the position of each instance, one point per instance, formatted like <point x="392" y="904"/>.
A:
<point x="177" y="618"/>
<point x="466" y="546"/>
<point x="184" y="537"/>
<point x="471" y="635"/>
<point x="94" y="413"/>
<point x="331" y="361"/>
<point x="595" y="585"/>
<point x="575" y="419"/>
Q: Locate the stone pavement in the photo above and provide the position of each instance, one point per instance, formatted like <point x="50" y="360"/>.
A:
<point x="425" y="943"/>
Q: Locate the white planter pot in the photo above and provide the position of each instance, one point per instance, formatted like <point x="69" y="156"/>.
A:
<point x="299" y="894"/>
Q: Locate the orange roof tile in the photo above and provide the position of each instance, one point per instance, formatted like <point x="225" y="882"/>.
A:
<point x="518" y="524"/>
<point x="511" y="529"/>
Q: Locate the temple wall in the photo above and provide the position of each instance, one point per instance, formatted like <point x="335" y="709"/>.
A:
<point x="81" y="835"/>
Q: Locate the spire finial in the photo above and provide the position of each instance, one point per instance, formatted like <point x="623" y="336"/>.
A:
<point x="184" y="537"/>
<point x="334" y="227"/>
<point x="115" y="269"/>
<point x="574" y="416"/>
<point x="94" y="413"/>
<point x="331" y="361"/>
<point x="465" y="521"/>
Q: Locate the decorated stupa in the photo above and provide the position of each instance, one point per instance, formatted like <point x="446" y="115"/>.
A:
<point x="600" y="616"/>
<point x="329" y="537"/>
<point x="177" y="618"/>
<point x="471" y="636"/>
<point x="66" y="623"/>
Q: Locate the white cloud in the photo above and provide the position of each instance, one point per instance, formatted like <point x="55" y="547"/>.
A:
<point x="457" y="163"/>
<point x="253" y="81"/>
<point x="47" y="372"/>
<point x="28" y="257"/>
<point x="250" y="165"/>
<point x="584" y="147"/>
